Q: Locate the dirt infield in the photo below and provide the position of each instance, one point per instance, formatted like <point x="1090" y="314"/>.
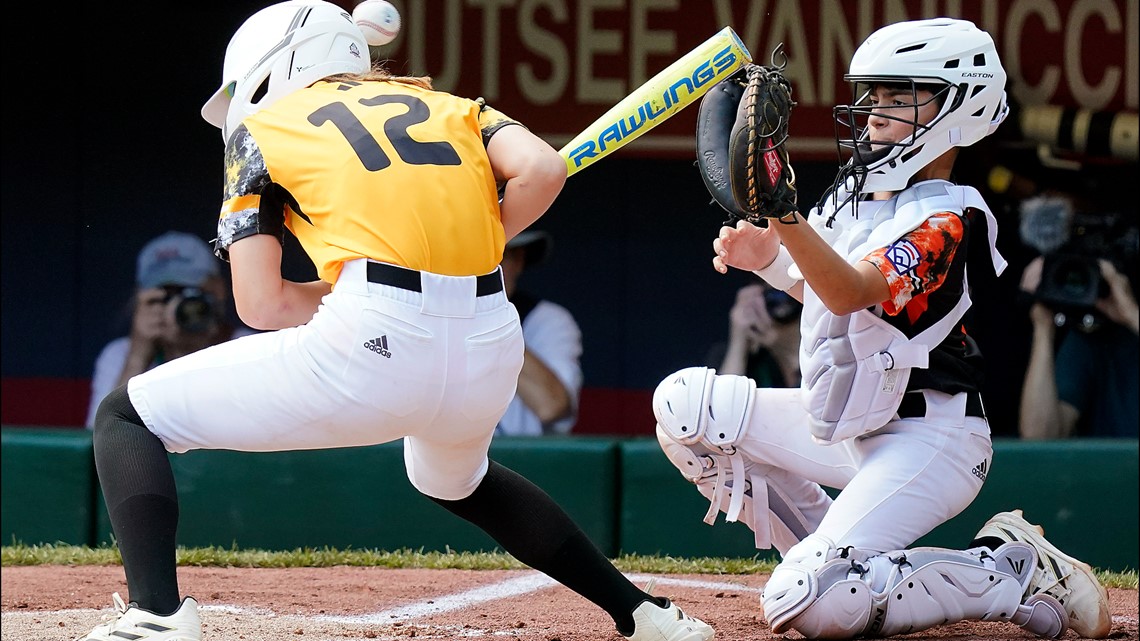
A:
<point x="59" y="603"/>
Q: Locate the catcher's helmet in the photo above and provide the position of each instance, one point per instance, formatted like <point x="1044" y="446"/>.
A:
<point x="282" y="48"/>
<point x="954" y="60"/>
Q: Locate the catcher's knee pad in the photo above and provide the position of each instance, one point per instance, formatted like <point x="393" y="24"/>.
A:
<point x="697" y="409"/>
<point x="701" y="418"/>
<point x="912" y="590"/>
<point x="695" y="405"/>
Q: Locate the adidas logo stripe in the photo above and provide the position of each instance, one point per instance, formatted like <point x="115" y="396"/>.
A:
<point x="380" y="346"/>
<point x="980" y="470"/>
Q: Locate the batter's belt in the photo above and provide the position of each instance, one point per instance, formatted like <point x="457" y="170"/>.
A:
<point x="409" y="279"/>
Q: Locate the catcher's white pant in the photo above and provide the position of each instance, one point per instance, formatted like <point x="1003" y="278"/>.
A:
<point x="375" y="364"/>
<point x="899" y="482"/>
<point x="846" y="568"/>
<point x="902" y="480"/>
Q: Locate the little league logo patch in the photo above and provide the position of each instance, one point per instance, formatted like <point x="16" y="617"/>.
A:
<point x="904" y="255"/>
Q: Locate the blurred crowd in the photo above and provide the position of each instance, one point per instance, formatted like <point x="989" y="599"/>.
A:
<point x="1068" y="313"/>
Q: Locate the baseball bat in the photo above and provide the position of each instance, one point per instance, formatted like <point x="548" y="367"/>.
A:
<point x="671" y="90"/>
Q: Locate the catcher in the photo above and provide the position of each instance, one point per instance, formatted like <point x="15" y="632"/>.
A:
<point x="889" y="409"/>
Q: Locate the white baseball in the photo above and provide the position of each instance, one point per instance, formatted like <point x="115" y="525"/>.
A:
<point x="379" y="21"/>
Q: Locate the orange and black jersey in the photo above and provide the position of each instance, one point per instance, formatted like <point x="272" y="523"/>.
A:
<point x="378" y="169"/>
<point x="925" y="270"/>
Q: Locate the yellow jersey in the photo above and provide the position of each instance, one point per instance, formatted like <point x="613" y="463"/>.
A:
<point x="375" y="169"/>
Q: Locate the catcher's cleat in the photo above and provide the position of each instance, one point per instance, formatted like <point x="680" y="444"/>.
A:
<point x="652" y="622"/>
<point x="1040" y="613"/>
<point x="132" y="622"/>
<point x="1057" y="574"/>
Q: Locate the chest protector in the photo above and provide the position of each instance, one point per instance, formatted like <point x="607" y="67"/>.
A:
<point x="856" y="367"/>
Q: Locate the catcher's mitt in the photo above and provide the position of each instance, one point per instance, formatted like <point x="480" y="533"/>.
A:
<point x="742" y="131"/>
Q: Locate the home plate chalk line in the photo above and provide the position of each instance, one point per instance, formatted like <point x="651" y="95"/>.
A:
<point x="501" y="590"/>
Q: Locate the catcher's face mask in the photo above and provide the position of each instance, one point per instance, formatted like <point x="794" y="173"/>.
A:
<point x="886" y="117"/>
<point x="951" y="60"/>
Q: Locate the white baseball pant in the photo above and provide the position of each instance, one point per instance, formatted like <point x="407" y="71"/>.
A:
<point x="375" y="364"/>
<point x="898" y="482"/>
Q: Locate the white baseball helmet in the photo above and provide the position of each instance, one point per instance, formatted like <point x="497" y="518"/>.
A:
<point x="954" y="59"/>
<point x="282" y="48"/>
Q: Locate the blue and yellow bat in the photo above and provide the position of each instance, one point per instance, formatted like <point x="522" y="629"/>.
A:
<point x="674" y="88"/>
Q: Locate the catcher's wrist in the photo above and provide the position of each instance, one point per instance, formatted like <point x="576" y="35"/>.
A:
<point x="776" y="273"/>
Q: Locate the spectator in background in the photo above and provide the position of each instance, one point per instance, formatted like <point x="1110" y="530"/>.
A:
<point x="180" y="306"/>
<point x="1086" y="382"/>
<point x="546" y="401"/>
<point x="763" y="337"/>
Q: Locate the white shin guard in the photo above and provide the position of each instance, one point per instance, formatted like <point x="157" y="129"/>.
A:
<point x="828" y="593"/>
<point x="701" y="420"/>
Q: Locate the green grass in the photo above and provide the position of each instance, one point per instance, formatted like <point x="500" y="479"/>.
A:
<point x="20" y="554"/>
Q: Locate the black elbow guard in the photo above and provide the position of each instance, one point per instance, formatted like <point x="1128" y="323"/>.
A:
<point x="256" y="204"/>
<point x="248" y="222"/>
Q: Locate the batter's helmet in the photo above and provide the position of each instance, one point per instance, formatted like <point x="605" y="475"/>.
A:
<point x="279" y="49"/>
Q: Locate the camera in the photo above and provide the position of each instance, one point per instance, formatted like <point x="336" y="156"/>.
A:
<point x="1071" y="245"/>
<point x="1071" y="281"/>
<point x="195" y="311"/>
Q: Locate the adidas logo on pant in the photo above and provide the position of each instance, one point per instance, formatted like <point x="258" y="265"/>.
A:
<point x="380" y="346"/>
<point x="980" y="471"/>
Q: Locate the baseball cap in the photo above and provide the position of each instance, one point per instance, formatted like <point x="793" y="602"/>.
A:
<point x="176" y="258"/>
<point x="537" y="244"/>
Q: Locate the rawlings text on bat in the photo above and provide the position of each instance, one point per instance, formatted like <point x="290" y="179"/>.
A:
<point x="663" y="95"/>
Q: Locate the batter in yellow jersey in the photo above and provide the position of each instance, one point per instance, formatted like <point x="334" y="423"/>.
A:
<point x="338" y="158"/>
<point x="404" y="198"/>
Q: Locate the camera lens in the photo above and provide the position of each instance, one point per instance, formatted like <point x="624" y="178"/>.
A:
<point x="194" y="312"/>
<point x="1070" y="281"/>
<point x="1073" y="279"/>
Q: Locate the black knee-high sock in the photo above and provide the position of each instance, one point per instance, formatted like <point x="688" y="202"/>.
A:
<point x="537" y="531"/>
<point x="138" y="487"/>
